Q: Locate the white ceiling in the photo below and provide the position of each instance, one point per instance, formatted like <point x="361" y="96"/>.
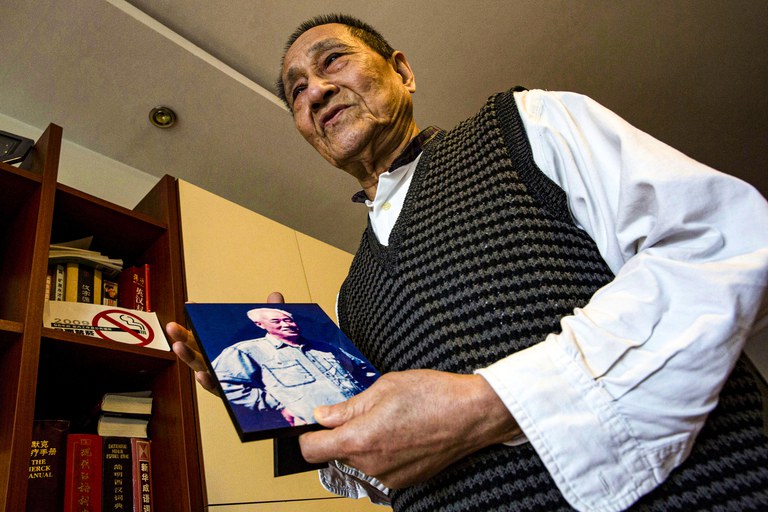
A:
<point x="691" y="73"/>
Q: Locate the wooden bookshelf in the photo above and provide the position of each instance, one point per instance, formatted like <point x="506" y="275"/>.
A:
<point x="50" y="374"/>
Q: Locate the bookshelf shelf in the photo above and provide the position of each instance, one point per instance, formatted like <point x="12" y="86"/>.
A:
<point x="115" y="230"/>
<point x="11" y="172"/>
<point x="51" y="374"/>
<point x="81" y="344"/>
<point x="9" y="326"/>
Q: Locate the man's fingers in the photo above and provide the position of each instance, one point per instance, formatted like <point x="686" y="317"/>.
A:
<point x="178" y="332"/>
<point x="181" y="339"/>
<point x="332" y="416"/>
<point x="192" y="358"/>
<point x="275" y="298"/>
<point x="320" y="446"/>
<point x="207" y="381"/>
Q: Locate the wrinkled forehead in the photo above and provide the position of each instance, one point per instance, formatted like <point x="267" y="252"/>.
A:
<point x="313" y="41"/>
<point x="277" y="315"/>
<point x="267" y="314"/>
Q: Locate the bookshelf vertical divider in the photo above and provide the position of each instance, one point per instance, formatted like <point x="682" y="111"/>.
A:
<point x="49" y="374"/>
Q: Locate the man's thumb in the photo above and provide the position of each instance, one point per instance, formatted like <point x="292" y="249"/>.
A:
<point x="331" y="416"/>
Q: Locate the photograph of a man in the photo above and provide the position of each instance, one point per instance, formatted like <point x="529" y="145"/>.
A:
<point x="283" y="375"/>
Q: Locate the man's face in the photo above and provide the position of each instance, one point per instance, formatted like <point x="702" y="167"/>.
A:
<point x="348" y="101"/>
<point x="279" y="325"/>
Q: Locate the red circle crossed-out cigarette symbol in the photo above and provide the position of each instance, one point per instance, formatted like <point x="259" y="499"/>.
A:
<point x="119" y="322"/>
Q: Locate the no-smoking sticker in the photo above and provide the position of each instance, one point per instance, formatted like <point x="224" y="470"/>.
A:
<point x="140" y="328"/>
<point x="122" y="326"/>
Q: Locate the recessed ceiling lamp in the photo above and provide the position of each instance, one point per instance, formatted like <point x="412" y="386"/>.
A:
<point x="162" y="117"/>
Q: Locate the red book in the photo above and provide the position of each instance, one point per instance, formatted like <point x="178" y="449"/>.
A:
<point x="133" y="288"/>
<point x="142" y="475"/>
<point x="82" y="487"/>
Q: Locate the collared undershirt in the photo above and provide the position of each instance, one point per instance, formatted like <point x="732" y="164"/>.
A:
<point x="393" y="186"/>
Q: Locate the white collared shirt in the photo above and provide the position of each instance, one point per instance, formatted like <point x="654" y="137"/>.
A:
<point x="614" y="402"/>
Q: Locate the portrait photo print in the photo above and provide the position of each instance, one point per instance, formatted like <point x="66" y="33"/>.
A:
<point x="274" y="363"/>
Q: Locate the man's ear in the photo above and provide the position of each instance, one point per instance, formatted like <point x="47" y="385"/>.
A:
<point x="403" y="68"/>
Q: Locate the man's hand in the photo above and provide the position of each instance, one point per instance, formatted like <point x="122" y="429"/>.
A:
<point x="410" y="425"/>
<point x="182" y="341"/>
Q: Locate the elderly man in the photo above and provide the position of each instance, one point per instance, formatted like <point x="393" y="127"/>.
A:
<point x="563" y="296"/>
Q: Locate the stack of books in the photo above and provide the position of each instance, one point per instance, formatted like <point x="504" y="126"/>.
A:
<point x="107" y="473"/>
<point x="124" y="414"/>
<point x="78" y="470"/>
<point x="78" y="274"/>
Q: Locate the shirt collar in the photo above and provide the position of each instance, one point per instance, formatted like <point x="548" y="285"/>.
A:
<point x="409" y="154"/>
<point x="278" y="343"/>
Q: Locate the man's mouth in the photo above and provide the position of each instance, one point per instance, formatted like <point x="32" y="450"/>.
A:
<point x="331" y="115"/>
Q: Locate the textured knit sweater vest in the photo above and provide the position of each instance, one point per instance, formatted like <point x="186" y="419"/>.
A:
<point x="483" y="261"/>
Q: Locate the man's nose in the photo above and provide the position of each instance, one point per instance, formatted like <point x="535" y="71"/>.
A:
<point x="320" y="91"/>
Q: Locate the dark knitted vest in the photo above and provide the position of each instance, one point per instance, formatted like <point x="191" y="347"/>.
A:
<point x="483" y="261"/>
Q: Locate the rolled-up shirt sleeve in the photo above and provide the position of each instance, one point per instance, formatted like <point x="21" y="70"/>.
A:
<point x="614" y="401"/>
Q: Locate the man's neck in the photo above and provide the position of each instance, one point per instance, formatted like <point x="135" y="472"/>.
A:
<point x="368" y="170"/>
<point x="277" y="340"/>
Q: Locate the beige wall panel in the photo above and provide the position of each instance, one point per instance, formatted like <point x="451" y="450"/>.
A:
<point x="325" y="267"/>
<point x="232" y="254"/>
<point x="238" y="472"/>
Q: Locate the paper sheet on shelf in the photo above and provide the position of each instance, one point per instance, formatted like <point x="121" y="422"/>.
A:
<point x="111" y="323"/>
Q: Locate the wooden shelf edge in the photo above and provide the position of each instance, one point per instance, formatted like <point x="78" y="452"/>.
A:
<point x="22" y="173"/>
<point x="68" y="337"/>
<point x="11" y="326"/>
<point x="88" y="198"/>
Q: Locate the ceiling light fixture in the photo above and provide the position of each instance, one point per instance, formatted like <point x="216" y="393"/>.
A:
<point x="162" y="117"/>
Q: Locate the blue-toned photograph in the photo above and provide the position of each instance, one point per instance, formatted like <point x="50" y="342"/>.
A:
<point x="274" y="363"/>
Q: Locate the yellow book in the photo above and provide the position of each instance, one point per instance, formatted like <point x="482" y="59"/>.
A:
<point x="71" y="282"/>
<point x="83" y="284"/>
<point x="97" y="288"/>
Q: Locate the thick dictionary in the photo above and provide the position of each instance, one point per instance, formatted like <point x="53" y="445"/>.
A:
<point x="142" y="475"/>
<point x="133" y="285"/>
<point x="47" y="458"/>
<point x="82" y="489"/>
<point x="117" y="474"/>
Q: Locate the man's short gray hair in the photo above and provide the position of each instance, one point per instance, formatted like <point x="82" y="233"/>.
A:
<point x="258" y="314"/>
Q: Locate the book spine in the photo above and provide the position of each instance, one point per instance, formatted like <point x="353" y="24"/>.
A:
<point x="85" y="284"/>
<point x="132" y="284"/>
<point x="142" y="475"/>
<point x="59" y="281"/>
<point x="49" y="283"/>
<point x="109" y="292"/>
<point x="147" y="294"/>
<point x="82" y="283"/>
<point x="45" y="488"/>
<point x="97" y="284"/>
<point x="82" y="489"/>
<point x="70" y="291"/>
<point x="117" y="468"/>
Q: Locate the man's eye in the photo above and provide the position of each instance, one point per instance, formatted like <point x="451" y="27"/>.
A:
<point x="331" y="58"/>
<point x="297" y="91"/>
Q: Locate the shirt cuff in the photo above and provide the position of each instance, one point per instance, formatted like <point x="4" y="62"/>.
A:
<point x="347" y="481"/>
<point x="572" y="423"/>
